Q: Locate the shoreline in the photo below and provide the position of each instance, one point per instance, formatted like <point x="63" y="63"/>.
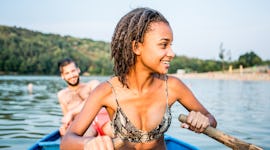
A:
<point x="226" y="76"/>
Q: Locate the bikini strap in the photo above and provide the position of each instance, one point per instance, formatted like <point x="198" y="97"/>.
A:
<point x="114" y="93"/>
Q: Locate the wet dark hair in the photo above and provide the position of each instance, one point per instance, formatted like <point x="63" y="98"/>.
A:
<point x="131" y="27"/>
<point x="62" y="63"/>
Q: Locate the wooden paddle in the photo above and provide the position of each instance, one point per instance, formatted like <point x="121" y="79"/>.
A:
<point x="223" y="138"/>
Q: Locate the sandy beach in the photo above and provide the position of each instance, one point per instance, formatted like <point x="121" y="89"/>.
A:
<point x="226" y="76"/>
<point x="258" y="73"/>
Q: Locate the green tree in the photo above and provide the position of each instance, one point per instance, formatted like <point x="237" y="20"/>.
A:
<point x="249" y="59"/>
<point x="24" y="51"/>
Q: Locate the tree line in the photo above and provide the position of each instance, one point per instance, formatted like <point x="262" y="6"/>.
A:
<point x="23" y="51"/>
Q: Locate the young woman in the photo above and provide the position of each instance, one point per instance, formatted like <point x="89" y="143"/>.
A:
<point x="138" y="98"/>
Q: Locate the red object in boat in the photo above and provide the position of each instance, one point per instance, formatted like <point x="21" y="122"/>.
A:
<point x="101" y="119"/>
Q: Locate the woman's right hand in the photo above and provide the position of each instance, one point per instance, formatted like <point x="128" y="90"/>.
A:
<point x="196" y="121"/>
<point x="99" y="143"/>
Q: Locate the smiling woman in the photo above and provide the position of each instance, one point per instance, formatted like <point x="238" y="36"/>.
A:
<point x="142" y="52"/>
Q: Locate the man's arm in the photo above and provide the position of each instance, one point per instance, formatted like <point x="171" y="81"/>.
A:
<point x="61" y="101"/>
<point x="63" y="105"/>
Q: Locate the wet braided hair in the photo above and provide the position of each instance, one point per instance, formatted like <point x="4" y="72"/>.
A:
<point x="131" y="27"/>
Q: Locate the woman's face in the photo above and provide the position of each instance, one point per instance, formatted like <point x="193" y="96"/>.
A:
<point x="156" y="51"/>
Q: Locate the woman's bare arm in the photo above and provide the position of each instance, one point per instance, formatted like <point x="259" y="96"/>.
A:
<point x="184" y="95"/>
<point x="74" y="139"/>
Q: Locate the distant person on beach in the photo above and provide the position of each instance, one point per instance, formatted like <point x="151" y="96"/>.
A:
<point x="140" y="95"/>
<point x="72" y="98"/>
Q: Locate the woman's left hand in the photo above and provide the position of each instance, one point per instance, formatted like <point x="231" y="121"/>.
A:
<point x="196" y="121"/>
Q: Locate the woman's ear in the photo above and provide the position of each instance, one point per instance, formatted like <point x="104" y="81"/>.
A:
<point x="136" y="47"/>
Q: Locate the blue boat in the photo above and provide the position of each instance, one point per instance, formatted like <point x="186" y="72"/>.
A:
<point x="52" y="142"/>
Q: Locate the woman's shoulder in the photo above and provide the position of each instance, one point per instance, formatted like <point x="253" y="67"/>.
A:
<point x="171" y="80"/>
<point x="175" y="82"/>
<point x="174" y="78"/>
<point x="104" y="94"/>
<point x="106" y="87"/>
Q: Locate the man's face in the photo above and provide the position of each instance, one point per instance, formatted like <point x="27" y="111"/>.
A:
<point x="71" y="74"/>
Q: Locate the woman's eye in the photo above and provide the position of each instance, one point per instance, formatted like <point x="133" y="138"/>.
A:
<point x="164" y="45"/>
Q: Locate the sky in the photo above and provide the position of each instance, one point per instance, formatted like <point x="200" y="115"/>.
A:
<point x="199" y="26"/>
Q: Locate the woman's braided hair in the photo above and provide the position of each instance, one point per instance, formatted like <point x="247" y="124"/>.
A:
<point x="131" y="27"/>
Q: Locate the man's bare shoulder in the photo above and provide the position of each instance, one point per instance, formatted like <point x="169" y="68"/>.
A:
<point x="87" y="88"/>
<point x="92" y="84"/>
<point x="62" y="93"/>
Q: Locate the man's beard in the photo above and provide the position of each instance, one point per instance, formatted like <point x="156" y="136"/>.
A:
<point x="78" y="81"/>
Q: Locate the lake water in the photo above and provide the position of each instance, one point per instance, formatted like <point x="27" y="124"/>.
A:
<point x="241" y="108"/>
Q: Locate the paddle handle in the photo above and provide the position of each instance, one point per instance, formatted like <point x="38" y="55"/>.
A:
<point x="223" y="138"/>
<point x="117" y="143"/>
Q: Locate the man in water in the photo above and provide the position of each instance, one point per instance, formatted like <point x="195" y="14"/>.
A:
<point x="73" y="97"/>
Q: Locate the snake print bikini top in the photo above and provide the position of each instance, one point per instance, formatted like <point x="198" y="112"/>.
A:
<point x="123" y="127"/>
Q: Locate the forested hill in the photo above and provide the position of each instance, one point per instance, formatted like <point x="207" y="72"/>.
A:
<point x="23" y="51"/>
